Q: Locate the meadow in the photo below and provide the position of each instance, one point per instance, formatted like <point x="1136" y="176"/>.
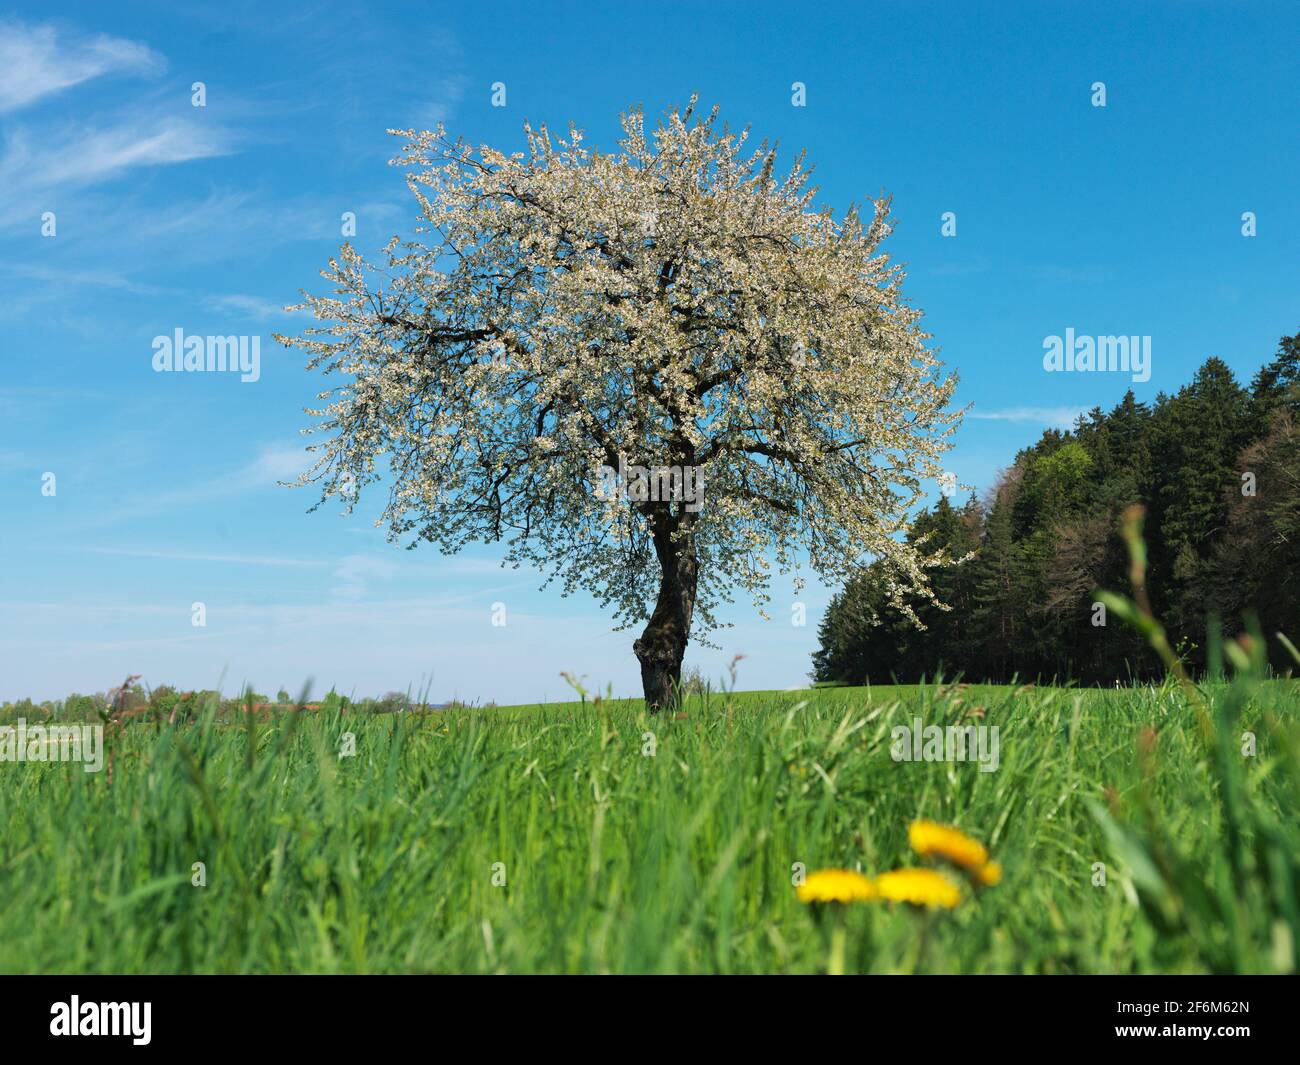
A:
<point x="1133" y="832"/>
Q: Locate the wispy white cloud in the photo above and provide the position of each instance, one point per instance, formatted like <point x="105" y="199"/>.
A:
<point x="40" y="162"/>
<point x="225" y="223"/>
<point x="448" y="92"/>
<point x="186" y="556"/>
<point x="355" y="572"/>
<point x="79" y="156"/>
<point x="247" y="306"/>
<point x="63" y="279"/>
<point x="1057" y="417"/>
<point x="271" y="466"/>
<point x="40" y="60"/>
<point x="274" y="464"/>
<point x="36" y="403"/>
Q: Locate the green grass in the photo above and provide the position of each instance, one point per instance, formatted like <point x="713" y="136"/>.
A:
<point x="616" y="861"/>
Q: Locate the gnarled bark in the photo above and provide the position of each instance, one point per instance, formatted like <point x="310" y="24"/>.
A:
<point x="663" y="643"/>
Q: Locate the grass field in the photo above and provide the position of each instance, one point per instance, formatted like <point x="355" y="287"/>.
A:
<point x="615" y="859"/>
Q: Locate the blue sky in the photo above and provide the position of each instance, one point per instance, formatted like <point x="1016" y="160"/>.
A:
<point x="1117" y="220"/>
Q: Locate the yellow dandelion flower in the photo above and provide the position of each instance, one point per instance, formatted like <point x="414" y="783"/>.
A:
<point x="931" y="840"/>
<point x="836" y="885"/>
<point x="920" y="887"/>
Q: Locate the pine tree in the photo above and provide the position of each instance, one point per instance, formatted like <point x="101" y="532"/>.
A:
<point x="1046" y="540"/>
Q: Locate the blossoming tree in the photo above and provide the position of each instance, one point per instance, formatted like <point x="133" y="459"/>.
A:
<point x="676" y="305"/>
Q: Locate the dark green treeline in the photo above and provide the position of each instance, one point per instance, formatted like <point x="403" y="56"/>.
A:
<point x="1218" y="469"/>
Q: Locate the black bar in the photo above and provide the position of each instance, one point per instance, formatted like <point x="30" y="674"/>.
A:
<point x="984" y="1015"/>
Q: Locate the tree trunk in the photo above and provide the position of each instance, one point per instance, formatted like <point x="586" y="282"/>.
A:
<point x="663" y="643"/>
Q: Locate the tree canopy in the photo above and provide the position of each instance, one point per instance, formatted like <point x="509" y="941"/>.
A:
<point x="673" y="305"/>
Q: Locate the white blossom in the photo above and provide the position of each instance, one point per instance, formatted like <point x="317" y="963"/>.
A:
<point x="676" y="303"/>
